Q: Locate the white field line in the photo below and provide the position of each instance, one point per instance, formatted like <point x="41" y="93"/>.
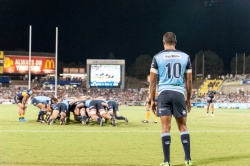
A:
<point x="119" y="131"/>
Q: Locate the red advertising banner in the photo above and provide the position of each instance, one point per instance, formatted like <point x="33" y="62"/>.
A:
<point x="20" y="64"/>
<point x="73" y="70"/>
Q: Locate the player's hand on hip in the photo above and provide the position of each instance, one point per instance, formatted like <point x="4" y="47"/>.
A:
<point x="188" y="105"/>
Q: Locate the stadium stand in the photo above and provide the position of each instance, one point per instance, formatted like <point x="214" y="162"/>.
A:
<point x="215" y="83"/>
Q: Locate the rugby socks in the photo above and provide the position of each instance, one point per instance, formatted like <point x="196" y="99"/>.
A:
<point x="166" y="141"/>
<point x="147" y="115"/>
<point x="79" y="118"/>
<point x="111" y="116"/>
<point x="22" y="116"/>
<point x="39" y="114"/>
<point x="120" y="118"/>
<point x="155" y="118"/>
<point x="42" y="114"/>
<point x="185" y="139"/>
<point x="99" y="119"/>
<point x="85" y="118"/>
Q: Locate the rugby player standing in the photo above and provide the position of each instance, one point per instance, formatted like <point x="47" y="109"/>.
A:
<point x="174" y="72"/>
<point x="148" y="106"/>
<point x="211" y="94"/>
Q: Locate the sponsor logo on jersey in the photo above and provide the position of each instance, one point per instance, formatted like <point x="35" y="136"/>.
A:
<point x="175" y="56"/>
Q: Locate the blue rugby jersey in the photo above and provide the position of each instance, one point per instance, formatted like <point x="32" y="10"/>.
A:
<point x="43" y="99"/>
<point x="171" y="66"/>
<point x="65" y="101"/>
<point x="87" y="103"/>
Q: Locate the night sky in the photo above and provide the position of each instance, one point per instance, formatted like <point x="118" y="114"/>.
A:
<point x="91" y="29"/>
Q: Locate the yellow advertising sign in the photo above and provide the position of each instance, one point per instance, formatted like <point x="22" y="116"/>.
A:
<point x="8" y="62"/>
<point x="1" y="54"/>
<point x="1" y="69"/>
<point x="49" y="64"/>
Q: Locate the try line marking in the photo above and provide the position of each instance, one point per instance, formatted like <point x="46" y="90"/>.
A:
<point x="119" y="131"/>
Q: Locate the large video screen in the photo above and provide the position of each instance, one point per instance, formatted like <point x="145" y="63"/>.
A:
<point x="105" y="76"/>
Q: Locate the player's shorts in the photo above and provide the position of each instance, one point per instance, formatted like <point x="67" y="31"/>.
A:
<point x="113" y="106"/>
<point x="78" y="103"/>
<point x="171" y="103"/>
<point x="72" y="108"/>
<point x="17" y="99"/>
<point x="61" y="107"/>
<point x="95" y="104"/>
<point x="210" y="101"/>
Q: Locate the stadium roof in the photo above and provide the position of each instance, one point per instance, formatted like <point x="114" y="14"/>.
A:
<point x="26" y="53"/>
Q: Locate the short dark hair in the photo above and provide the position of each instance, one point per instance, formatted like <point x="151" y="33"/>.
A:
<point x="169" y="38"/>
<point x="35" y="88"/>
<point x="55" y="99"/>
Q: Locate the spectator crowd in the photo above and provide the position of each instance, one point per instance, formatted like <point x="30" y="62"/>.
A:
<point x="240" y="97"/>
<point x="121" y="96"/>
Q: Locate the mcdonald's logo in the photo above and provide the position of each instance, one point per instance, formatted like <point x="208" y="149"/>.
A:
<point x="49" y="64"/>
<point x="1" y="54"/>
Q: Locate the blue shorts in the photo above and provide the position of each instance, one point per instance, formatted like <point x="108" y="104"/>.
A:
<point x="210" y="101"/>
<point x="17" y="99"/>
<point x="95" y="104"/>
<point x="171" y="103"/>
<point x="113" y="106"/>
<point x="61" y="107"/>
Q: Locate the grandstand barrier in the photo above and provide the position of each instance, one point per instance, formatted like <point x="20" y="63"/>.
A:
<point x="7" y="101"/>
<point x="246" y="82"/>
<point x="223" y="105"/>
<point x="61" y="82"/>
<point x="135" y="103"/>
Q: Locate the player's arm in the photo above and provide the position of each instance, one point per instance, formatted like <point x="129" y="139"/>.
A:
<point x="73" y="102"/>
<point x="188" y="78"/>
<point x="188" y="84"/>
<point x="207" y="95"/>
<point x="148" y="97"/>
<point x="79" y="105"/>
<point x="152" y="89"/>
<point x="25" y="97"/>
<point x="24" y="100"/>
<point x="148" y="100"/>
<point x="153" y="84"/>
<point x="49" y="108"/>
<point x="214" y="96"/>
<point x="105" y="104"/>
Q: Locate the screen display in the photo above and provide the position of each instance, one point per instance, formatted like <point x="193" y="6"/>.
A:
<point x="105" y="76"/>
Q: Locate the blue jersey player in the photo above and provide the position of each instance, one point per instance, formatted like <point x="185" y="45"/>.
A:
<point x="174" y="72"/>
<point x="43" y="103"/>
<point x="211" y="94"/>
<point x="61" y="109"/>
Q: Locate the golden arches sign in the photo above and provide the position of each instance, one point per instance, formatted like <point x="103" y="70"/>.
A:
<point x="49" y="64"/>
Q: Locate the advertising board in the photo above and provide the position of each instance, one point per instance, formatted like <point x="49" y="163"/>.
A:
<point x="20" y="64"/>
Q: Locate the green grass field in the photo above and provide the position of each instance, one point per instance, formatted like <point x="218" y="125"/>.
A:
<point x="220" y="140"/>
